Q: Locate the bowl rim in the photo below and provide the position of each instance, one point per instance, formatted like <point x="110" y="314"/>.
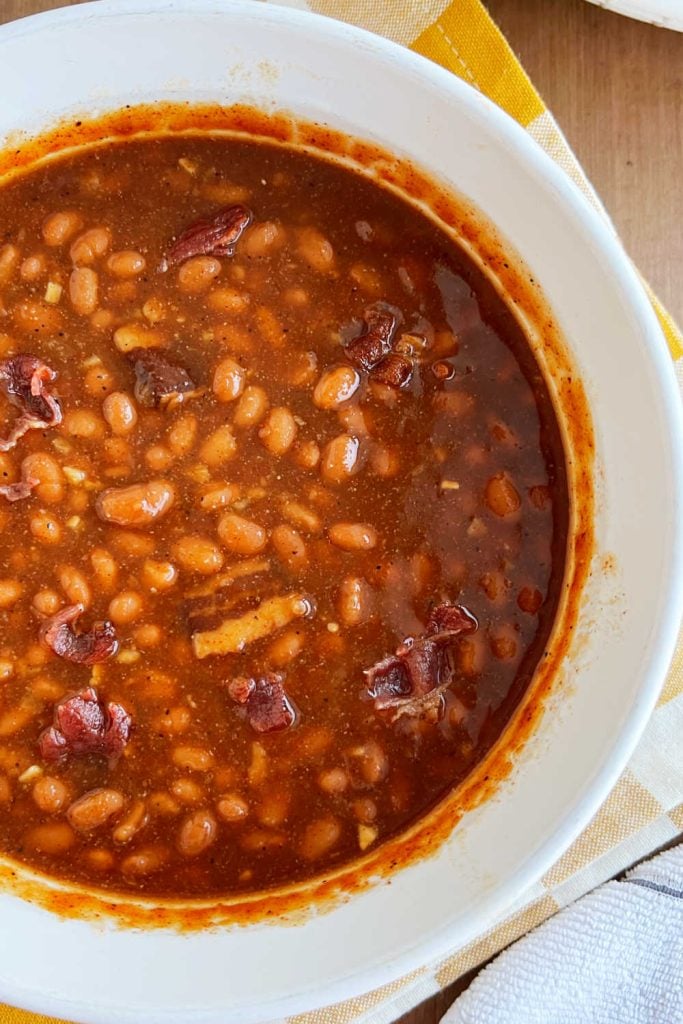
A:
<point x="603" y="236"/>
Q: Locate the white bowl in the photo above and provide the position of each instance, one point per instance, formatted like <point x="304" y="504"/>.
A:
<point x="102" y="56"/>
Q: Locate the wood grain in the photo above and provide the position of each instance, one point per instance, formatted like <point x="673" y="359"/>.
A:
<point x="615" y="87"/>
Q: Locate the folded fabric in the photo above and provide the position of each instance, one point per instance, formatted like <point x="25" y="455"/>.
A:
<point x="613" y="957"/>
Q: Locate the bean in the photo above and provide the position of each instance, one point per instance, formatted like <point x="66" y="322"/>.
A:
<point x="306" y="454"/>
<point x="182" y="435"/>
<point x="148" y="635"/>
<point x="84" y="423"/>
<point x="174" y="721"/>
<point x="6" y="669"/>
<point x="243" y="536"/>
<point x="137" y="505"/>
<point x="46" y="689"/>
<point x="217" y="496"/>
<point x="279" y="431"/>
<point x="305" y="518"/>
<point x="355" y="601"/>
<point x="198" y="554"/>
<point x="232" y="808"/>
<point x="163" y="805"/>
<point x="128" y="543"/>
<point x="195" y="759"/>
<point x="269" y="327"/>
<point x="227" y="300"/>
<point x="197" y="833"/>
<point x="333" y="781"/>
<point x="127" y="263"/>
<point x="302" y="369"/>
<point x="125" y="607"/>
<point x="53" y="839"/>
<point x="340" y="459"/>
<point x="120" y="412"/>
<point x="196" y="274"/>
<point x="99" y="381"/>
<point x="290" y="547"/>
<point x="59" y="227"/>
<point x="104" y="567"/>
<point x="364" y="809"/>
<point x="385" y="461"/>
<point x="470" y="656"/>
<point x="540" y="497"/>
<point x="50" y="795"/>
<point x="259" y="840"/>
<point x="337" y="385"/>
<point x="46" y="470"/>
<point x="9" y="260"/>
<point x="10" y="592"/>
<point x="145" y="862"/>
<point x="136" y="335"/>
<point x="274" y="807"/>
<point x="262" y="239"/>
<point x="38" y="318"/>
<point x="95" y="808"/>
<point x="159" y="576"/>
<point x="159" y="458"/>
<point x="228" y="380"/>
<point x="251" y="408"/>
<point x="219" y="447"/>
<point x="373" y="762"/>
<point x="90" y="245"/>
<point x="5" y="790"/>
<point x="46" y="602"/>
<point x="187" y="791"/>
<point x="32" y="268"/>
<point x="501" y="496"/>
<point x="14" y="720"/>
<point x="530" y="600"/>
<point x="353" y="536"/>
<point x="100" y="860"/>
<point x="83" y="290"/>
<point x="367" y="279"/>
<point x="316" y="250"/>
<point x="286" y="648"/>
<point x="504" y="643"/>
<point x="75" y="585"/>
<point x="319" y="838"/>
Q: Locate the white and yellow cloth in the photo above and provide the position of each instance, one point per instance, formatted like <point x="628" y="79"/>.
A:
<point x="645" y="809"/>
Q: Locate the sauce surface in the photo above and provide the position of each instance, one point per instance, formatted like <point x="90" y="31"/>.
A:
<point x="288" y="441"/>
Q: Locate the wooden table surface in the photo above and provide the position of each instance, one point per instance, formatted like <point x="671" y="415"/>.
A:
<point x="616" y="89"/>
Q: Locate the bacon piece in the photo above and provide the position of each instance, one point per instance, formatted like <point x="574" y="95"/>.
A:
<point x="21" y="489"/>
<point x="370" y="347"/>
<point x="212" y="236"/>
<point x="23" y="379"/>
<point x="268" y="706"/>
<point x="82" y="648"/>
<point x="412" y="680"/>
<point x="395" y="370"/>
<point x="157" y="379"/>
<point x="85" y="724"/>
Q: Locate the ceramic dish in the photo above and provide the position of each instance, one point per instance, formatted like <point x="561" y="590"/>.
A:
<point x="664" y="13"/>
<point x="96" y="58"/>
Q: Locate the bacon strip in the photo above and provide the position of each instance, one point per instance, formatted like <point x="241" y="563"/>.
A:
<point x="213" y="236"/>
<point x="374" y="343"/>
<point x="82" y="648"/>
<point x="23" y="380"/>
<point x="269" y="709"/>
<point x="19" y="490"/>
<point x="158" y="381"/>
<point x="85" y="724"/>
<point x="413" y="678"/>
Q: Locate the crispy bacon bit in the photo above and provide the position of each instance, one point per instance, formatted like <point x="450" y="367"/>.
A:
<point x="23" y="379"/>
<point x="412" y="680"/>
<point x="84" y="724"/>
<point x="213" y="236"/>
<point x="395" y="370"/>
<point x="370" y="347"/>
<point x="82" y="648"/>
<point x="157" y="379"/>
<point x="268" y="706"/>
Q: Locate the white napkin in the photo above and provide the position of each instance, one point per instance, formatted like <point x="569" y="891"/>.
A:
<point x="613" y="957"/>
